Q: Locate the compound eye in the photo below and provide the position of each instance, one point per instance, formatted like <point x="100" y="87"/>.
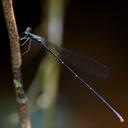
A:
<point x="28" y="29"/>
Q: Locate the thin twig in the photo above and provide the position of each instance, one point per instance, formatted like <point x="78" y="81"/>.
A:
<point x="16" y="63"/>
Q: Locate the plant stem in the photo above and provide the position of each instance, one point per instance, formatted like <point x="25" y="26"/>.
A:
<point x="51" y="68"/>
<point x="16" y="63"/>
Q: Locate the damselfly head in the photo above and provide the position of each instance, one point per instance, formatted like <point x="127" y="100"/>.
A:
<point x="27" y="31"/>
<point x="25" y="34"/>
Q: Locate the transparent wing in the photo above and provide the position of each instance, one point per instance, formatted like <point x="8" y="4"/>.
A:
<point x="82" y="62"/>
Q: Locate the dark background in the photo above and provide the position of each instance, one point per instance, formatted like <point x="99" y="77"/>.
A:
<point x="95" y="28"/>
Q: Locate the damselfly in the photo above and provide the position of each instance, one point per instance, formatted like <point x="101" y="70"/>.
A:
<point x="91" y="66"/>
